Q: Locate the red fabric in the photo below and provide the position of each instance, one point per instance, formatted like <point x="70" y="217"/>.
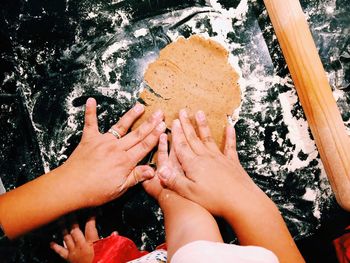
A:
<point x="162" y="246"/>
<point x="116" y="249"/>
<point x="342" y="247"/>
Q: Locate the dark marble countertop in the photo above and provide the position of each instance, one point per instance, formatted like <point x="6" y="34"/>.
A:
<point x="55" y="54"/>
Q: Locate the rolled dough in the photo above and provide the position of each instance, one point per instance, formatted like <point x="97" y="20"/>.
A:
<point x="194" y="74"/>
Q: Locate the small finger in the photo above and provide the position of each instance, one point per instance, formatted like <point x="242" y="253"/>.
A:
<point x="90" y="125"/>
<point x="63" y="252"/>
<point x="174" y="181"/>
<point x="205" y="133"/>
<point x="68" y="240"/>
<point x="91" y="233"/>
<point x="140" y="150"/>
<point x="139" y="174"/>
<point x="162" y="150"/>
<point x="142" y="131"/>
<point x="77" y="235"/>
<point x="230" y="143"/>
<point x="183" y="150"/>
<point x="190" y="133"/>
<point x="174" y="160"/>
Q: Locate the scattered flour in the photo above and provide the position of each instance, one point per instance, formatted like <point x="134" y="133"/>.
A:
<point x="221" y="20"/>
<point x="310" y="195"/>
<point x="298" y="132"/>
<point x="140" y="32"/>
<point x="115" y="47"/>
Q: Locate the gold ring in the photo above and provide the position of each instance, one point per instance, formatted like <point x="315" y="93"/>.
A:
<point x="115" y="133"/>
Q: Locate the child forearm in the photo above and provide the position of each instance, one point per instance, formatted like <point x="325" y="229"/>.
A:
<point x="261" y="224"/>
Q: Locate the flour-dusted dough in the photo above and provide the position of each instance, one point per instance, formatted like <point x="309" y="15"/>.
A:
<point x="192" y="73"/>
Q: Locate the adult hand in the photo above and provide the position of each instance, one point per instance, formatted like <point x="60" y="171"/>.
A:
<point x="215" y="180"/>
<point x="102" y="166"/>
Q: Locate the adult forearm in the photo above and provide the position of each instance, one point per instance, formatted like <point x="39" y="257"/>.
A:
<point x="101" y="168"/>
<point x="38" y="202"/>
<point x="261" y="224"/>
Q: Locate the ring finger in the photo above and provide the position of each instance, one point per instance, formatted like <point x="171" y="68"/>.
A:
<point x="137" y="135"/>
<point x="125" y="122"/>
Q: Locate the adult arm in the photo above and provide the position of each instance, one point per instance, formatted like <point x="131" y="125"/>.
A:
<point x="219" y="183"/>
<point x="100" y="169"/>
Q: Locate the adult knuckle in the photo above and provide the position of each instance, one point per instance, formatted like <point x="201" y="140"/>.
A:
<point x="183" y="144"/>
<point x="162" y="151"/>
<point x="150" y="120"/>
<point x="203" y="124"/>
<point x="88" y="112"/>
<point x="121" y="128"/>
<point x="192" y="136"/>
<point x="156" y="132"/>
<point x="208" y="138"/>
<point x="139" y="134"/>
<point x="145" y="144"/>
<point x="87" y="123"/>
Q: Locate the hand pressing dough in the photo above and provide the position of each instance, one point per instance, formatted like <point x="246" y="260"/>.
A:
<point x="192" y="74"/>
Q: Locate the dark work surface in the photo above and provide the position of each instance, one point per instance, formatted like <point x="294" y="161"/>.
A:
<point x="55" y="54"/>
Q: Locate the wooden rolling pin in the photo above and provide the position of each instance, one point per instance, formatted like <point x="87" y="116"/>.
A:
<point x="314" y="93"/>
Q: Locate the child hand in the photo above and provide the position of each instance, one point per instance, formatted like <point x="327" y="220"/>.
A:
<point x="154" y="186"/>
<point x="215" y="180"/>
<point x="77" y="247"/>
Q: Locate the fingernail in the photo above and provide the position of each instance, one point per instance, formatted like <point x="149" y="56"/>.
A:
<point x="138" y="108"/>
<point x="157" y="114"/>
<point x="90" y="101"/>
<point x="200" y="116"/>
<point x="183" y="113"/>
<point x="163" y="138"/>
<point x="176" y="123"/>
<point x="164" y="172"/>
<point x="161" y="126"/>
